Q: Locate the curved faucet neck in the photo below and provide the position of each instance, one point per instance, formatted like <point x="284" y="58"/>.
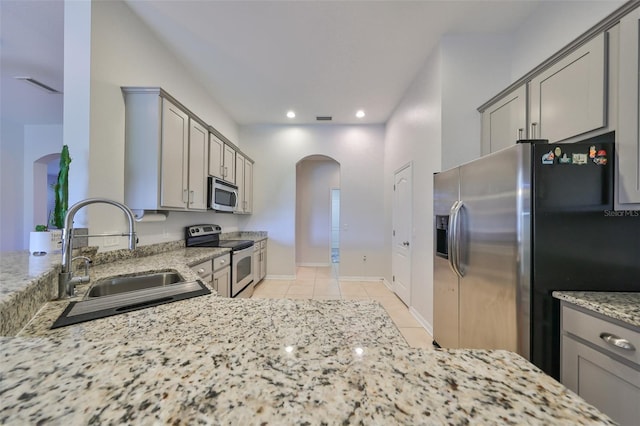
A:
<point x="67" y="237"/>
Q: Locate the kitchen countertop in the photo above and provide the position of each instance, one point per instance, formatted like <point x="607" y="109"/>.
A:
<point x="215" y="360"/>
<point x="621" y="306"/>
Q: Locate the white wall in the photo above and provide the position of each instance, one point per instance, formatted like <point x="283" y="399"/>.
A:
<point x="124" y="52"/>
<point x="360" y="151"/>
<point x="474" y="68"/>
<point x="11" y="186"/>
<point x="414" y="134"/>
<point x="314" y="180"/>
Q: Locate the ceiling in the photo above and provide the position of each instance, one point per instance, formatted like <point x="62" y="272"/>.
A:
<point x="259" y="59"/>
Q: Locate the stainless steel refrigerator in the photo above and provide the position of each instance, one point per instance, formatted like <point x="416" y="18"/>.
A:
<point x="512" y="227"/>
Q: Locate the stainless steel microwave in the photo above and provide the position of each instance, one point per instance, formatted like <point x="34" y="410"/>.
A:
<point x="223" y="196"/>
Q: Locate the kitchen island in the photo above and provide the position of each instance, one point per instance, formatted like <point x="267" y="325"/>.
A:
<point x="214" y="360"/>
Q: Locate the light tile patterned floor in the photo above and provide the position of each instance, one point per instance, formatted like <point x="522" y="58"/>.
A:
<point x="321" y="283"/>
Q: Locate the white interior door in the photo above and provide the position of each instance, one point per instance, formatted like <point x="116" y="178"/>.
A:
<point x="401" y="239"/>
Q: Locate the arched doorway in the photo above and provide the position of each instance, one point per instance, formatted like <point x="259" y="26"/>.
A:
<point x="317" y="205"/>
<point x="45" y="174"/>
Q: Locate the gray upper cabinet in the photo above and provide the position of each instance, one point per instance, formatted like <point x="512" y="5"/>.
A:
<point x="165" y="153"/>
<point x="569" y="97"/>
<point x="197" y="198"/>
<point x="222" y="159"/>
<point x="628" y="140"/>
<point x="216" y="157"/>
<point x="505" y="121"/>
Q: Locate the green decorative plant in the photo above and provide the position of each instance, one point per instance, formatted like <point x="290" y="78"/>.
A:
<point x="41" y="228"/>
<point x="62" y="190"/>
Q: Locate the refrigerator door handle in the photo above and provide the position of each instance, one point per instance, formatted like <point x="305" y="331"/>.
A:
<point x="454" y="238"/>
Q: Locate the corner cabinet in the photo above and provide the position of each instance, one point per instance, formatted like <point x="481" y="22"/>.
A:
<point x="628" y="138"/>
<point x="569" y="98"/>
<point x="600" y="361"/>
<point x="505" y="121"/>
<point x="165" y="153"/>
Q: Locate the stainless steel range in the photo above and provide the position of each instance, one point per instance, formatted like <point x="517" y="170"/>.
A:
<point x="242" y="282"/>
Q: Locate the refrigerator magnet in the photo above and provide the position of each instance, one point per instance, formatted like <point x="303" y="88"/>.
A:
<point x="557" y="151"/>
<point x="579" y="158"/>
<point x="564" y="159"/>
<point x="548" y="158"/>
<point x="601" y="158"/>
<point x="592" y="151"/>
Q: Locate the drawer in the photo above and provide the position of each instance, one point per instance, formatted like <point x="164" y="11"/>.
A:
<point x="221" y="262"/>
<point x="203" y="270"/>
<point x="602" y="333"/>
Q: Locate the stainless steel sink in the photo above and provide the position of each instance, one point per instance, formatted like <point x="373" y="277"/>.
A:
<point x="123" y="284"/>
<point x="121" y="294"/>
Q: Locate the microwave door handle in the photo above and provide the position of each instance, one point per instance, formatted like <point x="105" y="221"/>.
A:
<point x="235" y="199"/>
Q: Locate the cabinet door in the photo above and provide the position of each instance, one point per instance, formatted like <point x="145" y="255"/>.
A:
<point x="504" y="122"/>
<point x="256" y="265"/>
<point x="611" y="386"/>
<point x="240" y="182"/>
<point x="197" y="166"/>
<point x="628" y="138"/>
<point x="222" y="281"/>
<point x="175" y="161"/>
<point x="216" y="156"/>
<point x="569" y="98"/>
<point x="229" y="164"/>
<point x="263" y="263"/>
<point x="248" y="186"/>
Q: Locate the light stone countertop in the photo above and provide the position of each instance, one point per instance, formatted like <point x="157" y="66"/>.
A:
<point x="621" y="306"/>
<point x="215" y="360"/>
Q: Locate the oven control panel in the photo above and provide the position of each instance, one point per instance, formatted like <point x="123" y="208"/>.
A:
<point x="201" y="230"/>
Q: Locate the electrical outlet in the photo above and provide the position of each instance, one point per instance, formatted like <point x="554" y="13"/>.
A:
<point x="110" y="241"/>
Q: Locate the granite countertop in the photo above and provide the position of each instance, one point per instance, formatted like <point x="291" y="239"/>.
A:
<point x="621" y="306"/>
<point x="214" y="360"/>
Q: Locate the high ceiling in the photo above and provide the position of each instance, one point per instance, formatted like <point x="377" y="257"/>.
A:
<point x="259" y="59"/>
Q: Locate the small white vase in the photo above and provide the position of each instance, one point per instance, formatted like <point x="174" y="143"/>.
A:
<point x="39" y="243"/>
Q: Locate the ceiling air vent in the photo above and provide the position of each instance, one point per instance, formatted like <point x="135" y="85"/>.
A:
<point x="324" y="118"/>
<point x="38" y="84"/>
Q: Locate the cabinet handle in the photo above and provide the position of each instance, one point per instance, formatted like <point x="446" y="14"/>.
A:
<point x="520" y="130"/>
<point x="185" y="192"/>
<point x="533" y="130"/>
<point x="221" y="170"/>
<point x="618" y="342"/>
<point x="222" y="262"/>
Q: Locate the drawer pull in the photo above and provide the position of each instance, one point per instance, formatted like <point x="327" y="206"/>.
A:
<point x="618" y="342"/>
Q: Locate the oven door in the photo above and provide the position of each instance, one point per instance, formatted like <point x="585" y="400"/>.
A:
<point x="242" y="276"/>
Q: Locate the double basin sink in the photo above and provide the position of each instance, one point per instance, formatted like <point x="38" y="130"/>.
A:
<point x="126" y="293"/>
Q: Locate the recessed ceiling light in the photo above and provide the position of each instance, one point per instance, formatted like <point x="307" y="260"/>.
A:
<point x="291" y="114"/>
<point x="360" y="114"/>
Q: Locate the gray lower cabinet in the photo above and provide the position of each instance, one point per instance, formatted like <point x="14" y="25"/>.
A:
<point x="259" y="261"/>
<point x="600" y="361"/>
<point x="222" y="275"/>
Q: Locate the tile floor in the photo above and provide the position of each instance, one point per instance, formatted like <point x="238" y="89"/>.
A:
<point x="321" y="283"/>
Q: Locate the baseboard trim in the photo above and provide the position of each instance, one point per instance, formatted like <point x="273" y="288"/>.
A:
<point x="356" y="278"/>
<point x="280" y="277"/>
<point x="313" y="265"/>
<point x="423" y="322"/>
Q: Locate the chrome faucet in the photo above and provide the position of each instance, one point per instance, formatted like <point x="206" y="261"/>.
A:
<point x="66" y="281"/>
